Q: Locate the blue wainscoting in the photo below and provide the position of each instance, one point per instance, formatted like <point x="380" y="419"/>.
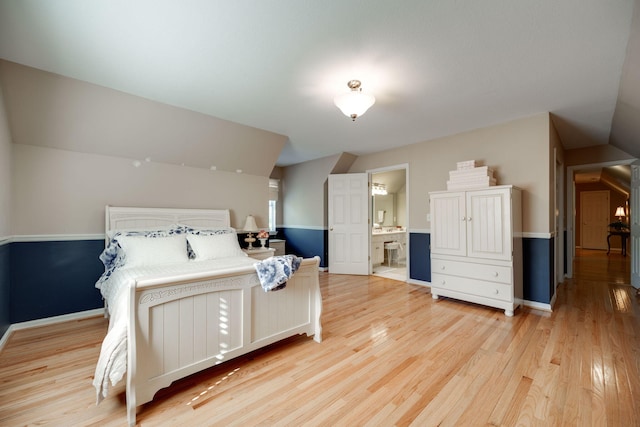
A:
<point x="420" y="262"/>
<point x="307" y="243"/>
<point x="52" y="278"/>
<point x="5" y="287"/>
<point x="538" y="255"/>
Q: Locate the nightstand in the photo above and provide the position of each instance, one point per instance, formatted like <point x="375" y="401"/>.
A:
<point x="260" y="253"/>
<point x="278" y="245"/>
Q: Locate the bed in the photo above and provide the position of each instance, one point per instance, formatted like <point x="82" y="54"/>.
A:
<point x="174" y="314"/>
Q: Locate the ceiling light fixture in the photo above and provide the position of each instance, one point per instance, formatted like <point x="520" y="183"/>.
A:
<point x="355" y="103"/>
<point x="378" y="189"/>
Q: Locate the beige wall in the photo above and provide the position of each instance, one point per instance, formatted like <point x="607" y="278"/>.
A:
<point x="303" y="190"/>
<point x="5" y="172"/>
<point x="517" y="150"/>
<point x="53" y="111"/>
<point x="65" y="192"/>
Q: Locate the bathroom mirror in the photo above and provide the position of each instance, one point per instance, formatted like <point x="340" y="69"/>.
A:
<point x="384" y="210"/>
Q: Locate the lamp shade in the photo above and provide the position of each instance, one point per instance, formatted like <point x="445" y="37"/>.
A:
<point x="620" y="212"/>
<point x="250" y="224"/>
<point x="354" y="103"/>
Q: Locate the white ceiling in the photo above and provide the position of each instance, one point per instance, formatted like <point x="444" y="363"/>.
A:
<point x="435" y="67"/>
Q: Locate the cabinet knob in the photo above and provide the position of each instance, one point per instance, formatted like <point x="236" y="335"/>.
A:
<point x="496" y="292"/>
<point x="495" y="274"/>
<point x="442" y="267"/>
<point x="469" y="219"/>
<point x="463" y="219"/>
<point x="444" y="283"/>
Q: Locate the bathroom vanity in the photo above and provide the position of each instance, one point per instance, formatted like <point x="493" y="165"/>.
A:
<point x="387" y="235"/>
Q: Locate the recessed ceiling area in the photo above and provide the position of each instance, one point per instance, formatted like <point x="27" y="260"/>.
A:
<point x="616" y="177"/>
<point x="435" y="68"/>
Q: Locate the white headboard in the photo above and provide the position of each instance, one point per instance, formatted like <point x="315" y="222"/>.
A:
<point x="126" y="218"/>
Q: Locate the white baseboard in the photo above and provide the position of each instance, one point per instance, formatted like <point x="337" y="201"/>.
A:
<point x="537" y="305"/>
<point x="419" y="282"/>
<point x="531" y="304"/>
<point x="49" y="321"/>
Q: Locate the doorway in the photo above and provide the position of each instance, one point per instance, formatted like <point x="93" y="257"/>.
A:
<point x="389" y="249"/>
<point x="615" y="176"/>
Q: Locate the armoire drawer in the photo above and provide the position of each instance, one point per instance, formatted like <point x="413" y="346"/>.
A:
<point x="472" y="286"/>
<point x="493" y="273"/>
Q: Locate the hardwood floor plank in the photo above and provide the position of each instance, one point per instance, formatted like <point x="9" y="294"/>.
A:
<point x="391" y="355"/>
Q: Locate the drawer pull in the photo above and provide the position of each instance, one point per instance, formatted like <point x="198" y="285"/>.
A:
<point x="442" y="268"/>
<point x="444" y="283"/>
<point x="495" y="274"/>
<point x="496" y="292"/>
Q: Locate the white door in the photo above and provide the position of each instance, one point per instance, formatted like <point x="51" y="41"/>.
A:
<point x="448" y="223"/>
<point x="594" y="219"/>
<point x="489" y="224"/>
<point x="634" y="251"/>
<point x="349" y="223"/>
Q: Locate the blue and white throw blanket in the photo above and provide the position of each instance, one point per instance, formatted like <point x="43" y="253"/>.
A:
<point x="274" y="272"/>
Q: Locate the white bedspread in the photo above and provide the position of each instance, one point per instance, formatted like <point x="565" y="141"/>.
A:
<point x="112" y="363"/>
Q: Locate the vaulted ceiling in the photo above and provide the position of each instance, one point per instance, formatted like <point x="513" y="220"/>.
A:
<point x="435" y="67"/>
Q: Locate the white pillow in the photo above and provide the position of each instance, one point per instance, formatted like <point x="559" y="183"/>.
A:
<point x="215" y="246"/>
<point x="145" y="251"/>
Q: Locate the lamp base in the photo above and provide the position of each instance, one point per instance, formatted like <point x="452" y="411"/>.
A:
<point x="250" y="239"/>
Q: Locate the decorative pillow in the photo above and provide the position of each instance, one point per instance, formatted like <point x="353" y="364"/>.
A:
<point x="206" y="231"/>
<point x="112" y="257"/>
<point x="143" y="251"/>
<point x="142" y="230"/>
<point x="215" y="246"/>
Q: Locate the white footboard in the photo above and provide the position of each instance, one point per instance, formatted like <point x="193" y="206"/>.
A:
<point x="179" y="327"/>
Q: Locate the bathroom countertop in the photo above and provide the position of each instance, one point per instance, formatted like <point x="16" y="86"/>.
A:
<point x="385" y="232"/>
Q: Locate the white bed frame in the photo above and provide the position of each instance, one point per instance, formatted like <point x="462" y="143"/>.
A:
<point x="184" y="324"/>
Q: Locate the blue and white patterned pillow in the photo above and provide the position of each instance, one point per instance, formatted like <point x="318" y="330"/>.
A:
<point x="274" y="272"/>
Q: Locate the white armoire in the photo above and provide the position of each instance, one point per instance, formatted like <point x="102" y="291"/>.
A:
<point x="476" y="246"/>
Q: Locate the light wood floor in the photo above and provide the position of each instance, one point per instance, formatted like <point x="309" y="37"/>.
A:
<point x="390" y="356"/>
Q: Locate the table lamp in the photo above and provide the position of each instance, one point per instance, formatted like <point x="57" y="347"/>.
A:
<point x="250" y="227"/>
<point x="620" y="213"/>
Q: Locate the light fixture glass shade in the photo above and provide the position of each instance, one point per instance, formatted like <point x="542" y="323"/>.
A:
<point x="620" y="212"/>
<point x="355" y="103"/>
<point x="250" y="224"/>
<point x="378" y="189"/>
